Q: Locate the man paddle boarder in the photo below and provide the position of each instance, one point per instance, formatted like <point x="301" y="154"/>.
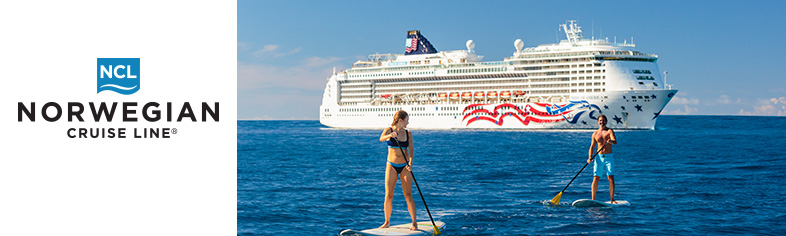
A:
<point x="605" y="162"/>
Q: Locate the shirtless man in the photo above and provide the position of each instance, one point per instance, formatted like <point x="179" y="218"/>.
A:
<point x="603" y="138"/>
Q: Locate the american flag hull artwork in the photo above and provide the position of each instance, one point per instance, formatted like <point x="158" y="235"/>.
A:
<point x="539" y="113"/>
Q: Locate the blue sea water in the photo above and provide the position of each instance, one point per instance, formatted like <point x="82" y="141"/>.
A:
<point x="692" y="175"/>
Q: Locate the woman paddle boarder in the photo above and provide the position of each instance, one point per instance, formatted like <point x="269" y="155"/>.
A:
<point x="397" y="167"/>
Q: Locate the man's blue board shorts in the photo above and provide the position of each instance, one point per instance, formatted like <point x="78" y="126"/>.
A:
<point x="603" y="163"/>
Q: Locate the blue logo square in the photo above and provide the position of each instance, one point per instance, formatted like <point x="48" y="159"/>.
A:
<point x="120" y="75"/>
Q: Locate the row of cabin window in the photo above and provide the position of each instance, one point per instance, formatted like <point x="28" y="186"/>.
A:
<point x="480" y="70"/>
<point x="375" y="75"/>
<point x="653" y="83"/>
<point x="391" y="109"/>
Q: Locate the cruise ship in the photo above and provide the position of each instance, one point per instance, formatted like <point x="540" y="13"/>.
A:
<point x="551" y="86"/>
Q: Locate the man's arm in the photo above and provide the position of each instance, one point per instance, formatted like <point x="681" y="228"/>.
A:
<point x="612" y="137"/>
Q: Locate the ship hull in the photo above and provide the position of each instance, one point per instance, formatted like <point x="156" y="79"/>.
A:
<point x="634" y="109"/>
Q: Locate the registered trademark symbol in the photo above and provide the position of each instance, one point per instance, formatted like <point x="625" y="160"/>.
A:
<point x="174" y="131"/>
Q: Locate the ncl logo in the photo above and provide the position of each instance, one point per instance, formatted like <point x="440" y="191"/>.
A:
<point x="120" y="75"/>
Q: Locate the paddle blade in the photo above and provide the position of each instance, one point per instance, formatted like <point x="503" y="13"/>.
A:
<point x="436" y="230"/>
<point x="555" y="200"/>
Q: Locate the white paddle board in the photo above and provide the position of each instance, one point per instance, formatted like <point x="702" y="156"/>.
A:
<point x="424" y="228"/>
<point x="593" y="203"/>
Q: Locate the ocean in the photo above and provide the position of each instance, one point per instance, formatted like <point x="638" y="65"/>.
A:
<point x="692" y="175"/>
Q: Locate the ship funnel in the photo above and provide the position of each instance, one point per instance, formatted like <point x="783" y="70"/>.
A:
<point x="417" y="44"/>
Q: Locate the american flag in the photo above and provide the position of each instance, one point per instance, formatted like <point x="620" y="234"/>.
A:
<point x="414" y="45"/>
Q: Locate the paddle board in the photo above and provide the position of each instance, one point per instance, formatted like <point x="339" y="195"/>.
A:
<point x="424" y="228"/>
<point x="593" y="203"/>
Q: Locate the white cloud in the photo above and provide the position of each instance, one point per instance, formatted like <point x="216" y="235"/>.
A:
<point x="688" y="100"/>
<point x="272" y="51"/>
<point x="283" y="92"/>
<point x="265" y="104"/>
<point x="724" y="99"/>
<point x="242" y="46"/>
<point x="686" y="110"/>
<point x="767" y="107"/>
<point x="269" y="48"/>
<point x="690" y="110"/>
<point x="319" y="62"/>
<point x="311" y="73"/>
<point x="263" y="117"/>
<point x="778" y="90"/>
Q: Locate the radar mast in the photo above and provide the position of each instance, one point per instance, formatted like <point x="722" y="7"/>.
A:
<point x="573" y="31"/>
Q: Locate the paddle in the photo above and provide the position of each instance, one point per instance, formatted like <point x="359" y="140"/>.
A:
<point x="555" y="200"/>
<point x="436" y="229"/>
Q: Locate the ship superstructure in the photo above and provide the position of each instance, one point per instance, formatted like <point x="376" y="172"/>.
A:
<point x="564" y="86"/>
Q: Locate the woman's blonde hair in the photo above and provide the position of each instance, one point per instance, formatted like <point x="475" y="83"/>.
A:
<point x="400" y="115"/>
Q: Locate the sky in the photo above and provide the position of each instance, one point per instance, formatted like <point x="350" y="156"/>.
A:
<point x="724" y="57"/>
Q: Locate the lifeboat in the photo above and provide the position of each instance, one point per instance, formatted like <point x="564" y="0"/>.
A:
<point x="466" y="95"/>
<point x="454" y="96"/>
<point x="518" y="93"/>
<point x="443" y="96"/>
<point x="504" y="94"/>
<point x="479" y="95"/>
<point x="386" y="96"/>
<point x="492" y="94"/>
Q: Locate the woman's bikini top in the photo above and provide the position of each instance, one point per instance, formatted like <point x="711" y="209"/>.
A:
<point x="402" y="144"/>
